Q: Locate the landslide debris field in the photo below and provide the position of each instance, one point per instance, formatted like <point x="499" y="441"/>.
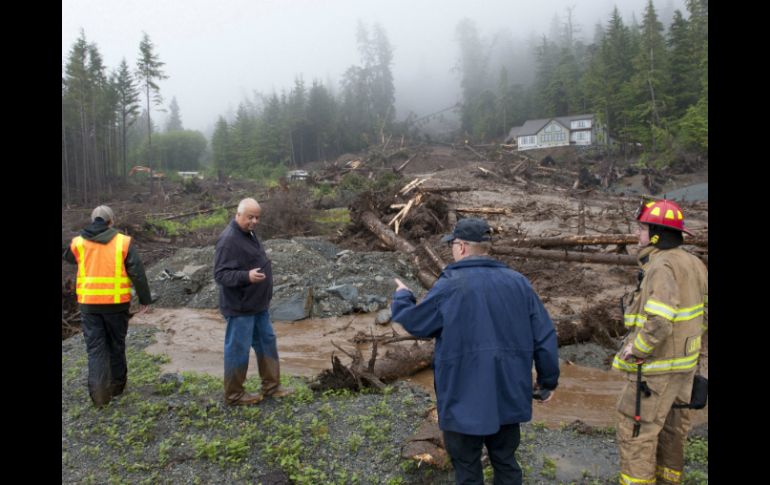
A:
<point x="337" y="239"/>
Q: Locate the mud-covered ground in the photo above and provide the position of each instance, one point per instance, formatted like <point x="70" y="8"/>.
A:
<point x="174" y="428"/>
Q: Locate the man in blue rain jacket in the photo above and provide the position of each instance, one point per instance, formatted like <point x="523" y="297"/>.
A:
<point x="489" y="326"/>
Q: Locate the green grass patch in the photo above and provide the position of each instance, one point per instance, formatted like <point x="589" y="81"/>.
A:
<point x="696" y="451"/>
<point x="549" y="468"/>
<point x="217" y="218"/>
<point x="337" y="216"/>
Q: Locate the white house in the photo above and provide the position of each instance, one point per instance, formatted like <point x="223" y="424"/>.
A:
<point x="561" y="131"/>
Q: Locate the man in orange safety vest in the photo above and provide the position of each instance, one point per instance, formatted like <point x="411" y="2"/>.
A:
<point x="109" y="269"/>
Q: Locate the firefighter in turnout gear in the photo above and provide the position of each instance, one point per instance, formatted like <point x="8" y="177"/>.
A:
<point x="666" y="318"/>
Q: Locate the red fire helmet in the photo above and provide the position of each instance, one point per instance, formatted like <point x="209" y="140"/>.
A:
<point x="663" y="213"/>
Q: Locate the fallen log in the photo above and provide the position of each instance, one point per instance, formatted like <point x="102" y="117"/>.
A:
<point x="590" y="239"/>
<point x="474" y="151"/>
<point x="384" y="234"/>
<point x="198" y="212"/>
<point x="445" y="189"/>
<point x="440" y="264"/>
<point x="619" y="259"/>
<point x="484" y="210"/>
<point x="486" y="172"/>
<point x="401" y="167"/>
<point x="361" y="337"/>
<point x="393" y="241"/>
<point x="397" y="362"/>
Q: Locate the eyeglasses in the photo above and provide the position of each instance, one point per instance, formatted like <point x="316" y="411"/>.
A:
<point x="452" y="243"/>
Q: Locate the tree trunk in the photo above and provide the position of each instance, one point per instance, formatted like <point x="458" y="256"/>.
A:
<point x="619" y="259"/>
<point x="393" y="241"/>
<point x="398" y="362"/>
<point x="589" y="239"/>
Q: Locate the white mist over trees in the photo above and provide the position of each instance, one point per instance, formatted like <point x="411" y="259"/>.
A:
<point x="645" y="79"/>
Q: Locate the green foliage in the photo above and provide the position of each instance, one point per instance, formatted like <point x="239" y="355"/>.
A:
<point x="217" y="218"/>
<point x="696" y="450"/>
<point x="354" y="442"/>
<point x="173" y="228"/>
<point x="549" y="468"/>
<point x="166" y="228"/>
<point x="178" y="150"/>
<point x="695" y="477"/>
<point x="334" y="217"/>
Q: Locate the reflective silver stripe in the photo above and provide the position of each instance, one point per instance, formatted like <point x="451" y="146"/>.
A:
<point x="634" y="320"/>
<point x="682" y="363"/>
<point x="640" y="344"/>
<point x="689" y="313"/>
<point x="626" y="480"/>
<point x="661" y="309"/>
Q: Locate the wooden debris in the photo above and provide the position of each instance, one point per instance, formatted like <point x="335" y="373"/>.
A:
<point x="474" y="151"/>
<point x="401" y="167"/>
<point x="445" y="189"/>
<point x="404" y="211"/>
<point x="393" y="241"/>
<point x="588" y="239"/>
<point x="396" y="363"/>
<point x="440" y="264"/>
<point x="411" y="185"/>
<point x="618" y="259"/>
<point x="484" y="210"/>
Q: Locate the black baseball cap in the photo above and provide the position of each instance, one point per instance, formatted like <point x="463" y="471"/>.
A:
<point x="470" y="229"/>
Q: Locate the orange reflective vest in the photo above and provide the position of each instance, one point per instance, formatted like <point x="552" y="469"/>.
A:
<point x="102" y="277"/>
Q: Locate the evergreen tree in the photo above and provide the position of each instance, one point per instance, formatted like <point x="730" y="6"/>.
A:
<point x="76" y="102"/>
<point x="297" y="122"/>
<point x="550" y="93"/>
<point x="382" y="87"/>
<point x="174" y="122"/>
<point x="221" y="149"/>
<point x="88" y="123"/>
<point x="472" y="66"/>
<point x="648" y="97"/>
<point x="128" y="106"/>
<point x="321" y="115"/>
<point x="149" y="72"/>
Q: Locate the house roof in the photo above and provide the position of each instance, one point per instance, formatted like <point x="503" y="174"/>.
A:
<point x="531" y="127"/>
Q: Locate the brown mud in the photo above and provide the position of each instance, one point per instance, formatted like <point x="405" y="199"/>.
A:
<point x="193" y="340"/>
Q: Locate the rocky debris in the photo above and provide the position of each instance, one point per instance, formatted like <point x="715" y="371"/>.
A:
<point x="310" y="277"/>
<point x="383" y="317"/>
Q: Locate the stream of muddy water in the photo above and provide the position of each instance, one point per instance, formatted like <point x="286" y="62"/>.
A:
<point x="193" y="339"/>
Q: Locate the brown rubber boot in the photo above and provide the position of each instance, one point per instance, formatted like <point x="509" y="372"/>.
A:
<point x="247" y="399"/>
<point x="234" y="390"/>
<point x="270" y="372"/>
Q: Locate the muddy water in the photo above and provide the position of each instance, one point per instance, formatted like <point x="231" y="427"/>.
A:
<point x="193" y="339"/>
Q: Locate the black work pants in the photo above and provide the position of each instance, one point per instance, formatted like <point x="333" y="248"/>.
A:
<point x="105" y="336"/>
<point x="465" y="451"/>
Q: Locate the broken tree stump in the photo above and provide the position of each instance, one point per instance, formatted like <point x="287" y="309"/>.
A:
<point x="397" y="362"/>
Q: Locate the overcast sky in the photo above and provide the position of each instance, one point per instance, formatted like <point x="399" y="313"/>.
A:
<point x="219" y="52"/>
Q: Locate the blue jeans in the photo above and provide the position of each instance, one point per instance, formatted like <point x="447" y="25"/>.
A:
<point x="465" y="451"/>
<point x="244" y="332"/>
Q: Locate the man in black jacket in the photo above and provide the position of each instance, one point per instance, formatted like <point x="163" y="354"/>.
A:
<point x="245" y="278"/>
<point x="108" y="268"/>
